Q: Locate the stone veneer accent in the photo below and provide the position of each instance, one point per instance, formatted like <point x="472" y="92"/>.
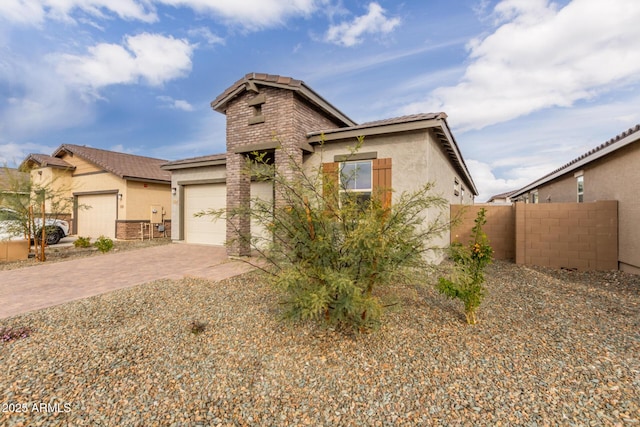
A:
<point x="287" y="120"/>
<point x="130" y="230"/>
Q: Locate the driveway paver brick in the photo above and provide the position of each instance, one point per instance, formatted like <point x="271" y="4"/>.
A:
<point x="32" y="288"/>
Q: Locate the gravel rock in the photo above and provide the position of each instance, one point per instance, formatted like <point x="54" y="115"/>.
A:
<point x="552" y="348"/>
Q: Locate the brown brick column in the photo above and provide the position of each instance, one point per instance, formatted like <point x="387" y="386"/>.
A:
<point x="288" y="161"/>
<point x="238" y="200"/>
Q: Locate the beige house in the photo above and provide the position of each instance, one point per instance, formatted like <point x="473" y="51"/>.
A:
<point x="287" y="119"/>
<point x="608" y="172"/>
<point x="117" y="195"/>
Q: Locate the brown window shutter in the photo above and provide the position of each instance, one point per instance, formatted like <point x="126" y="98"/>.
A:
<point x="329" y="177"/>
<point x="330" y="184"/>
<point x="382" y="181"/>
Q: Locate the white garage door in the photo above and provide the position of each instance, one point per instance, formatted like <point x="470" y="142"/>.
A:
<point x="97" y="214"/>
<point x="204" y="230"/>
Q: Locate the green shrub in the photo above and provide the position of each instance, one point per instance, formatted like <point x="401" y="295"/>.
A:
<point x="328" y="250"/>
<point x="466" y="280"/>
<point x="104" y="244"/>
<point x="82" y="242"/>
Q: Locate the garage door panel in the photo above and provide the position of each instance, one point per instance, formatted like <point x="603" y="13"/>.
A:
<point x="206" y="229"/>
<point x="97" y="214"/>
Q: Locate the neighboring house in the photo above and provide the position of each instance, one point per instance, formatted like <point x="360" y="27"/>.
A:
<point x="501" y="199"/>
<point x="608" y="172"/>
<point x="117" y="195"/>
<point x="287" y="119"/>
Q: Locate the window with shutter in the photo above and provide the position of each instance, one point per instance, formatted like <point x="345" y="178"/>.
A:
<point x="367" y="179"/>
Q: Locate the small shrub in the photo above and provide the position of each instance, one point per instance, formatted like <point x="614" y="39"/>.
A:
<point x="104" y="244"/>
<point x="465" y="282"/>
<point x="11" y="334"/>
<point x="82" y="242"/>
<point x="197" y="327"/>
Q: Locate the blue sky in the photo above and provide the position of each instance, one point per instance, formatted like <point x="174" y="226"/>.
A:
<point x="528" y="85"/>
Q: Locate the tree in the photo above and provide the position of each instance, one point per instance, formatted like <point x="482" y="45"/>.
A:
<point x="26" y="199"/>
<point x="466" y="280"/>
<point x="328" y="249"/>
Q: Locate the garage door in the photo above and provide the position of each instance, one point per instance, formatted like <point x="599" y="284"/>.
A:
<point x="97" y="214"/>
<point x="204" y="230"/>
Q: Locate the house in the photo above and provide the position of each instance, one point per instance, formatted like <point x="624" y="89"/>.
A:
<point x="607" y="172"/>
<point x="288" y="120"/>
<point x="501" y="199"/>
<point x="116" y="195"/>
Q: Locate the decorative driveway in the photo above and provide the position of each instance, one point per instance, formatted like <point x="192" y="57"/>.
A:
<point x="46" y="285"/>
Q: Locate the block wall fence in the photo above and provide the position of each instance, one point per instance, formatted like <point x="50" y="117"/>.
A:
<point x="583" y="236"/>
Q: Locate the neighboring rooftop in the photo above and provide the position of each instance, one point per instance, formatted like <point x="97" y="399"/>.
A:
<point x="627" y="137"/>
<point x="126" y="166"/>
<point x="44" y="160"/>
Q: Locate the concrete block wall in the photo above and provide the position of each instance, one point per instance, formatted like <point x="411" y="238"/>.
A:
<point x="500" y="228"/>
<point x="14" y="250"/>
<point x="568" y="235"/>
<point x="557" y="235"/>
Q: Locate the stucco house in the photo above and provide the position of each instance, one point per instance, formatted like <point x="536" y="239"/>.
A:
<point x="117" y="195"/>
<point x="287" y="119"/>
<point x="607" y="172"/>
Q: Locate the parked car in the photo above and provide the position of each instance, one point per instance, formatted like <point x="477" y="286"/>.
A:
<point x="12" y="226"/>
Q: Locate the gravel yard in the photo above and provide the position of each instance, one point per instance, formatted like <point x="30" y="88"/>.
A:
<point x="552" y="348"/>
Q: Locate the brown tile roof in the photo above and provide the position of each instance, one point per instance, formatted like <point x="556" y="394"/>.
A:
<point x="44" y="160"/>
<point x="251" y="80"/>
<point x="217" y="159"/>
<point x="601" y="150"/>
<point x="126" y="166"/>
<point x="501" y="195"/>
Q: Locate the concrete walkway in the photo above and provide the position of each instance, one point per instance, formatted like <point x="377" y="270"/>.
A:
<point x="32" y="288"/>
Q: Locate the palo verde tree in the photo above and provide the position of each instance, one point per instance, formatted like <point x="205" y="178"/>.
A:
<point x="466" y="280"/>
<point x="328" y="248"/>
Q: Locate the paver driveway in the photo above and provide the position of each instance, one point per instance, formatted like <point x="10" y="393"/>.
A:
<point x="46" y="285"/>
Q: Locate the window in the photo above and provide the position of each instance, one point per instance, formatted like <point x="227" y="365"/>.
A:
<point x="462" y="194"/>
<point x="534" y="196"/>
<point x="580" y="181"/>
<point x="456" y="187"/>
<point x="357" y="178"/>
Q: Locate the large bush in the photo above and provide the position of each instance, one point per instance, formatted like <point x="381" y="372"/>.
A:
<point x="328" y="250"/>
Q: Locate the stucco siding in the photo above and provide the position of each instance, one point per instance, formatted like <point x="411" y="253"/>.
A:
<point x="139" y="198"/>
<point x="416" y="160"/>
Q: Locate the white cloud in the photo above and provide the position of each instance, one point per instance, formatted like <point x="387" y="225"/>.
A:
<point x="176" y="104"/>
<point x="206" y="34"/>
<point x="35" y="11"/>
<point x="250" y="14"/>
<point x="540" y="57"/>
<point x="351" y="33"/>
<point x="12" y="153"/>
<point x="153" y="58"/>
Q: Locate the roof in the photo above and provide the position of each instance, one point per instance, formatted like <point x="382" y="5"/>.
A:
<point x="627" y="137"/>
<point x="251" y="81"/>
<point x="435" y="121"/>
<point x="210" y="160"/>
<point x="501" y="196"/>
<point x="9" y="175"/>
<point x="126" y="166"/>
<point x="44" y="160"/>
